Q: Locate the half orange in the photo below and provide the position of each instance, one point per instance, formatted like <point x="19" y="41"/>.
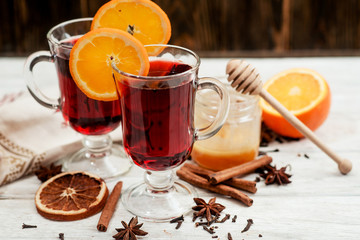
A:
<point x="143" y="19"/>
<point x="303" y="92"/>
<point x="92" y="55"/>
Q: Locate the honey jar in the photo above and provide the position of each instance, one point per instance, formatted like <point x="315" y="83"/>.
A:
<point x="237" y="141"/>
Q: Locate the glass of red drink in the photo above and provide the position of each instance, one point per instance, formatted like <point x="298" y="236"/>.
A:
<point x="92" y="118"/>
<point x="158" y="128"/>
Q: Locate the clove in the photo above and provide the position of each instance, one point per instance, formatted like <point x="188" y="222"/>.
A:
<point x="61" y="236"/>
<point x="28" y="226"/>
<point x="249" y="223"/>
<point x="209" y="230"/>
<point x="175" y="220"/>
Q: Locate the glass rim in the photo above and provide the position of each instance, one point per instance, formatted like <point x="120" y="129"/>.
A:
<point x="157" y="78"/>
<point x="54" y="41"/>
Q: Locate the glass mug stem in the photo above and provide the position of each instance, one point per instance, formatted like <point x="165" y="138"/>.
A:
<point x="159" y="181"/>
<point x="97" y="146"/>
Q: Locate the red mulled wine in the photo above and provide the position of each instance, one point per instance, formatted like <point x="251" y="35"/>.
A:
<point x="85" y="115"/>
<point x="158" y="119"/>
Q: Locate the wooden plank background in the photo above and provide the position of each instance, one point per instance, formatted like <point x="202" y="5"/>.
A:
<point x="213" y="28"/>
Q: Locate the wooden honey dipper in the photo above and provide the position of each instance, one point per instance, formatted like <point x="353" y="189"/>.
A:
<point x="245" y="78"/>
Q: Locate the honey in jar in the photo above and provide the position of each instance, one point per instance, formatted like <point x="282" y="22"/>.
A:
<point x="237" y="141"/>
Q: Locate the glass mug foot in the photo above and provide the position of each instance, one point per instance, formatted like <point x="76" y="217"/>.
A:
<point x="161" y="203"/>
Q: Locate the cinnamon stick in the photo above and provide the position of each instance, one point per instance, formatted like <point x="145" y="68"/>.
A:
<point x="242" y="184"/>
<point x="201" y="182"/>
<point x="109" y="207"/>
<point x="197" y="169"/>
<point x="242" y="169"/>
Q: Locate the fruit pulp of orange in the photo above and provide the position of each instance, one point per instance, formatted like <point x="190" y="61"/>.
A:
<point x="302" y="91"/>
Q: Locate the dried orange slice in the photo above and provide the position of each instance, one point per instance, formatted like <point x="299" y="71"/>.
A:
<point x="143" y="19"/>
<point x="302" y="91"/>
<point x="92" y="55"/>
<point x="71" y="196"/>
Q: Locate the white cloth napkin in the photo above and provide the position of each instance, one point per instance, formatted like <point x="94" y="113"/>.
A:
<point x="30" y="135"/>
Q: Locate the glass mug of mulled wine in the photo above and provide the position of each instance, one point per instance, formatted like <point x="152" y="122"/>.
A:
<point x="158" y="128"/>
<point x="92" y="118"/>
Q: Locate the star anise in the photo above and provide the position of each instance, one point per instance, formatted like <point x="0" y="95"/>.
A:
<point x="207" y="209"/>
<point x="44" y="173"/>
<point x="273" y="175"/>
<point x="130" y="231"/>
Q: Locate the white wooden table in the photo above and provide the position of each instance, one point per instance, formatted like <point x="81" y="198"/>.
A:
<point x="320" y="203"/>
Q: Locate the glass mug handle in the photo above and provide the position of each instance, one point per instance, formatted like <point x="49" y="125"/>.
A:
<point x="215" y="126"/>
<point x="40" y="97"/>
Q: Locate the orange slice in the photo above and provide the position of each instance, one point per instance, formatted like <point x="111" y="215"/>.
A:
<point x="145" y="20"/>
<point x="92" y="55"/>
<point x="302" y="91"/>
<point x="71" y="196"/>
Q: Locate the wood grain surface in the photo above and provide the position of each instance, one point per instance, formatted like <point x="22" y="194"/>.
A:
<point x="210" y="27"/>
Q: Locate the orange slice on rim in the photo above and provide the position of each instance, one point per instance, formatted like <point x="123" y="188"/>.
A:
<point x="71" y="196"/>
<point x="143" y="19"/>
<point x="92" y="55"/>
<point x="303" y="92"/>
